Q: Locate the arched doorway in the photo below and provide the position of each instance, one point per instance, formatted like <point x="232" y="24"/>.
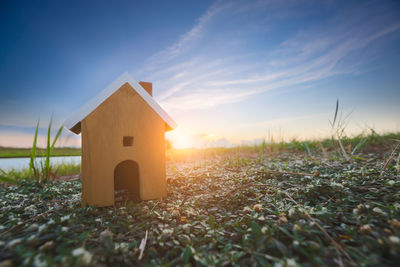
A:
<point x="126" y="181"/>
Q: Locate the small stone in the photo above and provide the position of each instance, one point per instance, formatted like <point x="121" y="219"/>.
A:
<point x="379" y="211"/>
<point x="190" y="212"/>
<point x="388" y="231"/>
<point x="394" y="240"/>
<point x="106" y="234"/>
<point x="186" y="228"/>
<point x="167" y="232"/>
<point x="145" y="209"/>
<point x="282" y="220"/>
<point x="302" y="222"/>
<point x="292" y="213"/>
<point x="14" y="242"/>
<point x="391" y="182"/>
<point x="184" y="219"/>
<point x="85" y="257"/>
<point x="264" y="229"/>
<point x="257" y="207"/>
<point x="360" y="209"/>
<point x="365" y="229"/>
<point x="175" y="214"/>
<point x="394" y="223"/>
<point x="296" y="228"/>
<point x="246" y="210"/>
<point x="65" y="218"/>
<point x="32" y="240"/>
<point x="49" y="245"/>
<point x="6" y="263"/>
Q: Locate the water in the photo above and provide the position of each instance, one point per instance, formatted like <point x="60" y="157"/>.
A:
<point x="20" y="163"/>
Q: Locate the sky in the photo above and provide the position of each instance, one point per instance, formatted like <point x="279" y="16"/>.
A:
<point x="228" y="72"/>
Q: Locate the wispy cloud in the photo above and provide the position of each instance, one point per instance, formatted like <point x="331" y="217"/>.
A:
<point x="212" y="63"/>
<point x="186" y="40"/>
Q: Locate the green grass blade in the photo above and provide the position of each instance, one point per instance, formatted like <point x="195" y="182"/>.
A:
<point x="48" y="151"/>
<point x="336" y="113"/>
<point x="308" y="149"/>
<point x="49" y="148"/>
<point x="359" y="145"/>
<point x="32" y="167"/>
<point x="260" y="157"/>
<point x="56" y="138"/>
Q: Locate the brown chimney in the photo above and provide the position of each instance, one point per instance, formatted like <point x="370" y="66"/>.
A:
<point x="148" y="87"/>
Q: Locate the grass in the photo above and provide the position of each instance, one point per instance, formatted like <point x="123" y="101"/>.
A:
<point x="368" y="142"/>
<point x="39" y="170"/>
<point x="274" y="204"/>
<point x="11" y="152"/>
<point x="42" y="172"/>
<point x="14" y="176"/>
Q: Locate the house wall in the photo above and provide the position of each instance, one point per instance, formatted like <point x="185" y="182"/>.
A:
<point x="124" y="113"/>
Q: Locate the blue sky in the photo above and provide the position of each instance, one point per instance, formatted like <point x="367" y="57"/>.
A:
<point x="226" y="71"/>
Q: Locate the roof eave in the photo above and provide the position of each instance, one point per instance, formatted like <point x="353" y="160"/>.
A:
<point x="74" y="122"/>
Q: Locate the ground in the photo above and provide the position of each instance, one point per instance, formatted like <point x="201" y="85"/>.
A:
<point x="223" y="208"/>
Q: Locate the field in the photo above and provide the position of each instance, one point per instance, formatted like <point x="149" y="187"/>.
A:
<point x="10" y="152"/>
<point x="297" y="203"/>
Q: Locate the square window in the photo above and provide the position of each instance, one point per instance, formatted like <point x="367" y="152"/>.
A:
<point x="128" y="141"/>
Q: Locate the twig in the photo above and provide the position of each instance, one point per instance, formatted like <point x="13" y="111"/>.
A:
<point x="142" y="246"/>
<point x="155" y="205"/>
<point x="288" y="173"/>
<point x="23" y="223"/>
<point x="268" y="257"/>
<point x="389" y="159"/>
<point x="327" y="201"/>
<point x="344" y="150"/>
<point x="337" y="246"/>
<point x="398" y="164"/>
<point x="183" y="202"/>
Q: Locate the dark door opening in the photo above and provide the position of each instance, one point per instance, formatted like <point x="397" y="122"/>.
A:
<point x="126" y="181"/>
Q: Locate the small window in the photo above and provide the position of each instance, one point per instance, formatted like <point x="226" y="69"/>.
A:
<point x="128" y="141"/>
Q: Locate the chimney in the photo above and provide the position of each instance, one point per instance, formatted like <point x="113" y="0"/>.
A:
<point x="148" y="87"/>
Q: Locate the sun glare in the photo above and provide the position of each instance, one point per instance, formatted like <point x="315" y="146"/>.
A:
<point x="180" y="138"/>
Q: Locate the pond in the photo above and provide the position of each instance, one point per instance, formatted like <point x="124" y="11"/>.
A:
<point x="21" y="163"/>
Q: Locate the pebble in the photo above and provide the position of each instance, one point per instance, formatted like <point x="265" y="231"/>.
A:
<point x="49" y="245"/>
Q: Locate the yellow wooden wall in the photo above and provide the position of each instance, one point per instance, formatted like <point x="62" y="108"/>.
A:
<point x="124" y="113"/>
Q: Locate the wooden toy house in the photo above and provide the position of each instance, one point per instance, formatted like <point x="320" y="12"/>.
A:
<point x="123" y="143"/>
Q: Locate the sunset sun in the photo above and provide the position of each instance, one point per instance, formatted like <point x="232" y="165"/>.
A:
<point x="180" y="138"/>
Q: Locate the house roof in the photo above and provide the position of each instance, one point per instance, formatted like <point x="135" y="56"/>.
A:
<point x="73" y="122"/>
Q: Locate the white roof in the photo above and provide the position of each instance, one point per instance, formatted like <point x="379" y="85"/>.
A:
<point x="108" y="91"/>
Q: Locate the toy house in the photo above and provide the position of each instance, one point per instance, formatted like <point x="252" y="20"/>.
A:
<point x="123" y="143"/>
